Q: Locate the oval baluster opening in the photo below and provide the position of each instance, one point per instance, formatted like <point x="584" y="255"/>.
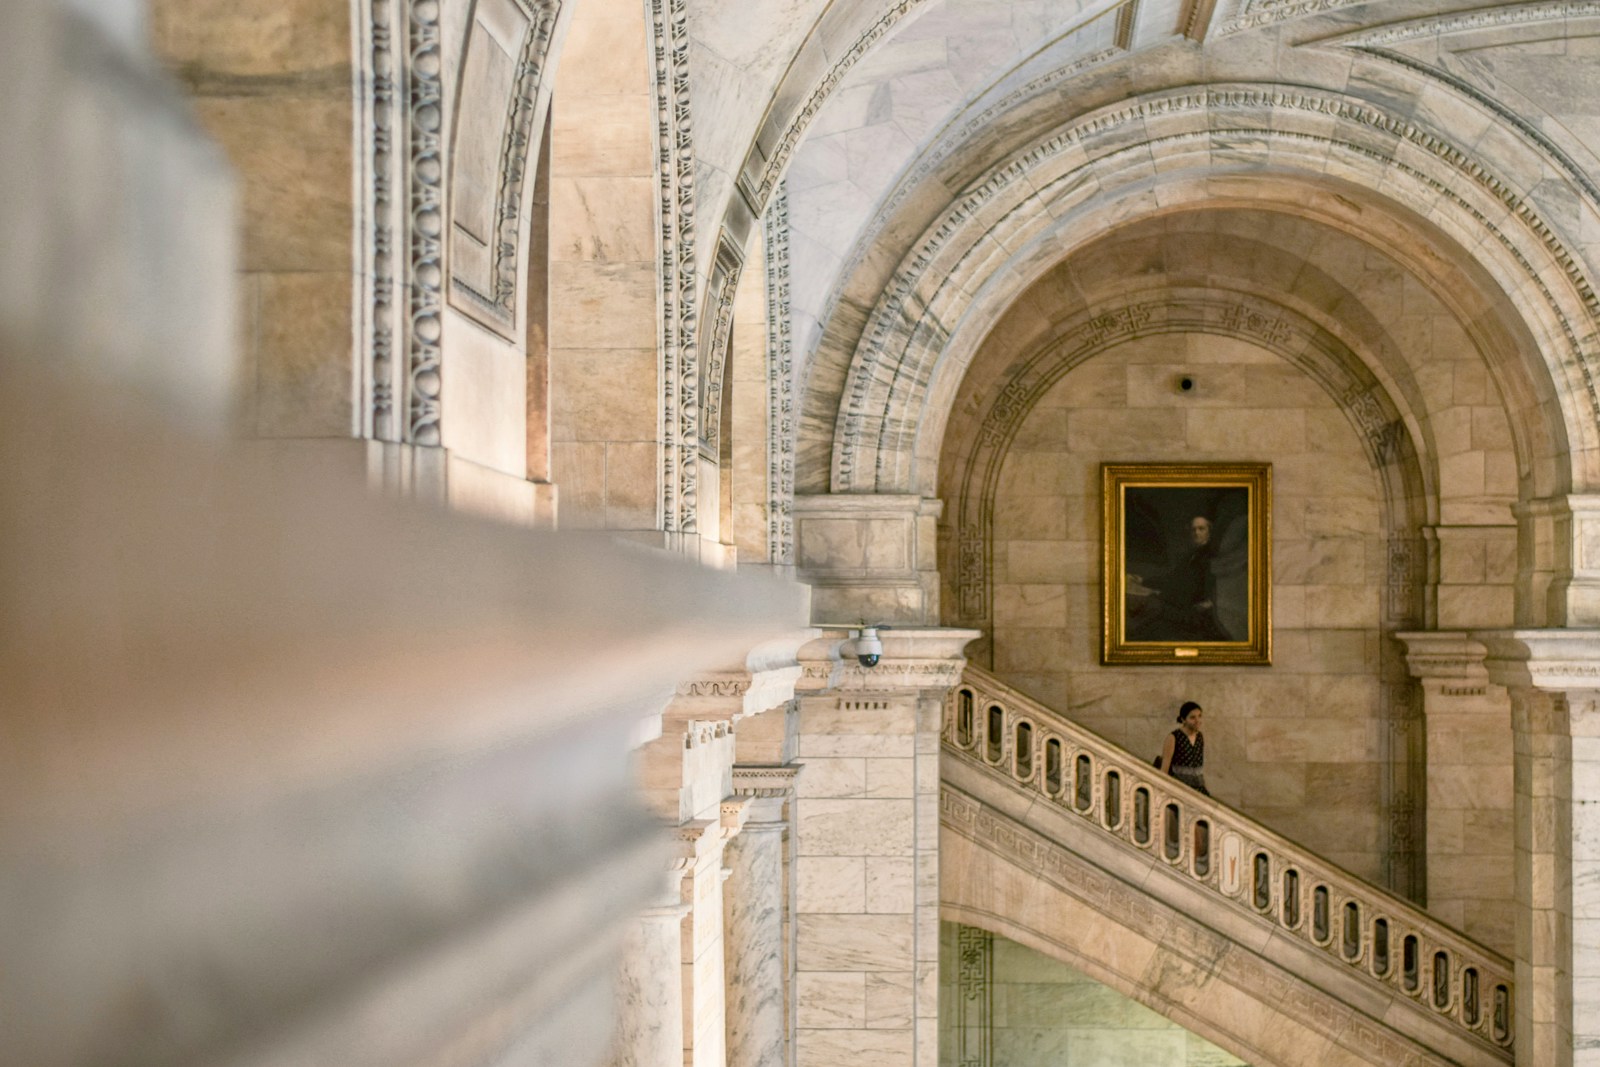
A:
<point x="1052" y="766"/>
<point x="1441" y="981"/>
<point x="1471" y="1009"/>
<point x="1351" y="942"/>
<point x="1319" y="915"/>
<point x="1262" y="892"/>
<point x="995" y="735"/>
<point x="1024" y="747"/>
<point x="1202" y="848"/>
<point x="1113" y="812"/>
<point x="964" y="715"/>
<point x="1173" y="835"/>
<point x="1380" y="947"/>
<point x="1410" y="964"/>
<point x="1083" y="782"/>
<point x="1502" y="1014"/>
<point x="1291" y="898"/>
<point x="1141" y="816"/>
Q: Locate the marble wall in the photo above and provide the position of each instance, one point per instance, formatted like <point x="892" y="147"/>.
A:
<point x="1039" y="1012"/>
<point x="1295" y="744"/>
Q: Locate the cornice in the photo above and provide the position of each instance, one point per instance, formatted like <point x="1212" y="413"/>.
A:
<point x="1458" y="22"/>
<point x="765" y="780"/>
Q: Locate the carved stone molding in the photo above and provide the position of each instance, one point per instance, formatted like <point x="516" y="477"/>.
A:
<point x="1498" y="17"/>
<point x="381" y="173"/>
<point x="1254" y="14"/>
<point x="725" y="270"/>
<point x="904" y="327"/>
<point x="1557" y="661"/>
<point x="425" y="122"/>
<point x="780" y="386"/>
<point x="700" y="734"/>
<point x="485" y="224"/>
<point x="1444" y="656"/>
<point x="898" y="674"/>
<point x="680" y="407"/>
<point x="974" y="1022"/>
<point x="730" y="686"/>
<point x="1377" y="42"/>
<point x="689" y="839"/>
<point x="735" y="812"/>
<point x="765" y="780"/>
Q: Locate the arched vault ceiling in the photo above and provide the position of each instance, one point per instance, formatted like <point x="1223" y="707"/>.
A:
<point x="1265" y="270"/>
<point x="937" y="154"/>
<point x="1431" y="164"/>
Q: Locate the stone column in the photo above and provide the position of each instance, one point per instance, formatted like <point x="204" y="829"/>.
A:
<point x="1469" y="809"/>
<point x="1553" y="677"/>
<point x="755" y="901"/>
<point x="867" y="861"/>
<point x="649" y="1004"/>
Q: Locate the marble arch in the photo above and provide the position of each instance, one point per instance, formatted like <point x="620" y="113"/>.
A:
<point x="1142" y="157"/>
<point x="1389" y="432"/>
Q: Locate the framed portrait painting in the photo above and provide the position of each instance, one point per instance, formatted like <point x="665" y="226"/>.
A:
<point x="1187" y="563"/>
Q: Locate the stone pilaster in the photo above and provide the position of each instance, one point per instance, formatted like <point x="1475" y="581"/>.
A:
<point x="757" y="904"/>
<point x="1469" y="806"/>
<point x="1553" y="677"/>
<point x="867" y="823"/>
<point x="1559" y="561"/>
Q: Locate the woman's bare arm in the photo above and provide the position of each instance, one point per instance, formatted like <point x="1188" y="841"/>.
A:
<point x="1166" y="754"/>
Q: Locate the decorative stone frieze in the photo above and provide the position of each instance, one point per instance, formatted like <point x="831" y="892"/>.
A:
<point x="780" y="385"/>
<point x="765" y="781"/>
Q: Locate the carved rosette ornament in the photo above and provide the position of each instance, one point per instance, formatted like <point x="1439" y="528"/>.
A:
<point x="425" y="114"/>
<point x="780" y="386"/>
<point x="679" y="320"/>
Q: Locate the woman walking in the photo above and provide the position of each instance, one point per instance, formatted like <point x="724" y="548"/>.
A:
<point x="1184" y="754"/>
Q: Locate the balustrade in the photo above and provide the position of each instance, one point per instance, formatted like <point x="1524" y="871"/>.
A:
<point x="1226" y="852"/>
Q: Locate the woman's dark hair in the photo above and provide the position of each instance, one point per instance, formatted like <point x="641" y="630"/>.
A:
<point x="1188" y="706"/>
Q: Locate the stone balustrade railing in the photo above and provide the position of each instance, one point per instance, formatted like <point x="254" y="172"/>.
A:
<point x="1372" y="932"/>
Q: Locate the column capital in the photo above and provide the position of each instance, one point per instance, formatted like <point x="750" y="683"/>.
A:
<point x="914" y="658"/>
<point x="765" y="779"/>
<point x="1444" y="654"/>
<point x="1564" y="660"/>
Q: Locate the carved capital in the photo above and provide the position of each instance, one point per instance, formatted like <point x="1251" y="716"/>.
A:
<point x="1445" y="657"/>
<point x="765" y="780"/>
<point x="914" y="658"/>
<point x="1565" y="661"/>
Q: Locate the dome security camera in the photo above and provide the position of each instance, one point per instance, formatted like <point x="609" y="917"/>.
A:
<point x="869" y="650"/>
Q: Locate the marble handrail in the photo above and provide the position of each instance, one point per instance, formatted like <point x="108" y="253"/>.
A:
<point x="1375" y="934"/>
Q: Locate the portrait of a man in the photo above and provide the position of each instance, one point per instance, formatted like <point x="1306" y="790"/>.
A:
<point x="1185" y="562"/>
<point x="1187" y="576"/>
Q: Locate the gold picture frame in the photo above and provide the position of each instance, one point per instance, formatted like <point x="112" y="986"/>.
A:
<point x="1186" y="574"/>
